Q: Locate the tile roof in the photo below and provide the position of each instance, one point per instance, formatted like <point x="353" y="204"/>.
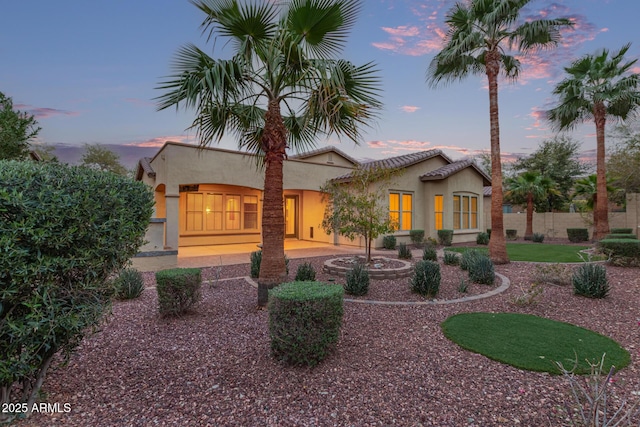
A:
<point x="144" y="166"/>
<point x="487" y="191"/>
<point x="327" y="149"/>
<point x="451" y="169"/>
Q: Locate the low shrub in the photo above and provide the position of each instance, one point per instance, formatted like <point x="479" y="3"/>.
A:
<point x="179" y="289"/>
<point x="389" y="242"/>
<point x="556" y="274"/>
<point x="529" y="295"/>
<point x="129" y="284"/>
<point x="482" y="239"/>
<point x="304" y="321"/>
<point x="305" y="273"/>
<point x="426" y="278"/>
<point x="622" y="252"/>
<point x="417" y="236"/>
<point x="451" y="258"/>
<point x="621" y="236"/>
<point x="537" y="237"/>
<point x="357" y="280"/>
<point x="404" y="252"/>
<point x="578" y="234"/>
<point x="481" y="270"/>
<point x="256" y="260"/>
<point x="590" y="280"/>
<point x="429" y="253"/>
<point x="621" y="231"/>
<point x="511" y="234"/>
<point x="445" y="237"/>
<point x="468" y="257"/>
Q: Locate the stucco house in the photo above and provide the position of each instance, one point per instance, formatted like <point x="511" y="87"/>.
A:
<point x="213" y="196"/>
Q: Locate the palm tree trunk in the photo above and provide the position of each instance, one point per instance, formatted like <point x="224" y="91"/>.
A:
<point x="601" y="208"/>
<point x="497" y="243"/>
<point x="528" y="233"/>
<point x="274" y="143"/>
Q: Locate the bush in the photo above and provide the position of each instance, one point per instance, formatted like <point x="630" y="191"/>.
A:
<point x="590" y="280"/>
<point x="426" y="278"/>
<point x="305" y="273"/>
<point x="578" y="234"/>
<point x="417" y="236"/>
<point x="256" y="260"/>
<point x="481" y="270"/>
<point x="623" y="252"/>
<point x="537" y="237"/>
<point x="468" y="257"/>
<point x="429" y="253"/>
<point x="489" y="232"/>
<point x="404" y="252"/>
<point x="178" y="290"/>
<point x="129" y="284"/>
<point x="556" y="274"/>
<point x="445" y="237"/>
<point x="389" y="242"/>
<point x="512" y="234"/>
<point x="304" y="321"/>
<point x="451" y="258"/>
<point x="64" y="231"/>
<point x="621" y="231"/>
<point x="482" y="239"/>
<point x="621" y="236"/>
<point x="357" y="280"/>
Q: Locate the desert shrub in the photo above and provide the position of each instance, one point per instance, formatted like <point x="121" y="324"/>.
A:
<point x="468" y="257"/>
<point x="429" y="253"/>
<point x="537" y="237"/>
<point x="622" y="252"/>
<point x="590" y="280"/>
<point x="556" y="274"/>
<point x="511" y="234"/>
<point x="389" y="242"/>
<point x="417" y="236"/>
<point x="482" y="239"/>
<point x="426" y="278"/>
<point x="129" y="284"/>
<point x="621" y="231"/>
<point x="451" y="258"/>
<point x="578" y="234"/>
<point x="481" y="270"/>
<point x="621" y="236"/>
<point x="64" y="231"/>
<point x="404" y="252"/>
<point x="463" y="286"/>
<point x="179" y="289"/>
<point x="445" y="237"/>
<point x="305" y="273"/>
<point x="256" y="261"/>
<point x="431" y="241"/>
<point x="304" y="321"/>
<point x="357" y="280"/>
<point x="529" y="295"/>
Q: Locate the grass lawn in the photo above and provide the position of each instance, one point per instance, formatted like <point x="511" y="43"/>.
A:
<point x="535" y="252"/>
<point x="533" y="343"/>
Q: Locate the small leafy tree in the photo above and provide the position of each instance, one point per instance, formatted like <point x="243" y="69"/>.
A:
<point x="16" y="130"/>
<point x="101" y="158"/>
<point x="356" y="205"/>
<point x="64" y="231"/>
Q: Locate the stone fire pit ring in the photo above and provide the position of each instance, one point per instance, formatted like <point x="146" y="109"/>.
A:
<point x="331" y="266"/>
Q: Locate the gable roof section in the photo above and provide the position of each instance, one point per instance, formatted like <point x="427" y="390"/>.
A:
<point x="453" y="168"/>
<point x="144" y="167"/>
<point x="323" y="150"/>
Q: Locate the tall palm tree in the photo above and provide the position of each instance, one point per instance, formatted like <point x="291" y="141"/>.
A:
<point x="588" y="189"/>
<point x="480" y="35"/>
<point x="529" y="186"/>
<point x="282" y="88"/>
<point x="598" y="87"/>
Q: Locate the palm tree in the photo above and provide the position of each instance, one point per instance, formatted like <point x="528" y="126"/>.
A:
<point x="284" y="59"/>
<point x="480" y="34"/>
<point x="598" y="87"/>
<point x="588" y="189"/>
<point x="529" y="186"/>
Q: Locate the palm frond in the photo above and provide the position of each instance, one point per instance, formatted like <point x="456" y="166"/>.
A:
<point x="538" y="34"/>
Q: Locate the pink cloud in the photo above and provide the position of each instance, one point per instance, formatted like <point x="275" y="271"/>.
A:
<point x="159" y="141"/>
<point x="376" y="144"/>
<point x="45" y="113"/>
<point x="402" y="31"/>
<point x="409" y="108"/>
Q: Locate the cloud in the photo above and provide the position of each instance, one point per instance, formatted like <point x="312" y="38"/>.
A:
<point x="395" y="148"/>
<point x="45" y="113"/>
<point x="160" y="140"/>
<point x="376" y="144"/>
<point x="409" y="108"/>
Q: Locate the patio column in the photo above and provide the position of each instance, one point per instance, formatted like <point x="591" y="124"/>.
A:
<point x="172" y="204"/>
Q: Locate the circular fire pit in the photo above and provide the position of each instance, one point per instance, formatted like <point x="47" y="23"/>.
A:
<point x="379" y="267"/>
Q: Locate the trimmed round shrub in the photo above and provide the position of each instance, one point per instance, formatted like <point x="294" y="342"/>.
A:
<point x="404" y="252"/>
<point x="482" y="239"/>
<point x="429" y="253"/>
<point x="445" y="237"/>
<point x="304" y="321"/>
<point x="129" y="284"/>
<point x="357" y="280"/>
<point x="468" y="257"/>
<point x="179" y="289"/>
<point x="417" y="236"/>
<point x="622" y="252"/>
<point x="511" y="234"/>
<point x="537" y="237"/>
<point x="451" y="258"/>
<point x="590" y="280"/>
<point x="426" y="278"/>
<point x="389" y="242"/>
<point x="481" y="270"/>
<point x="578" y="234"/>
<point x="305" y="273"/>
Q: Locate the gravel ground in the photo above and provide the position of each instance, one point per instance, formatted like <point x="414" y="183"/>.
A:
<point x="392" y="365"/>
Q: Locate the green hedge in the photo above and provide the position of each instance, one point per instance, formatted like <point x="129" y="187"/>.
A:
<point x="445" y="237"/>
<point x="417" y="236"/>
<point x="617" y="248"/>
<point x="179" y="289"/>
<point x="578" y="234"/>
<point x="304" y="321"/>
<point x="621" y="231"/>
<point x="621" y="236"/>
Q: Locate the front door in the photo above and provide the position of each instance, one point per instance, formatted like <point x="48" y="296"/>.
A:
<point x="291" y="216"/>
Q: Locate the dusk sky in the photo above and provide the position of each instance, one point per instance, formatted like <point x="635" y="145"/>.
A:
<point x="88" y="71"/>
